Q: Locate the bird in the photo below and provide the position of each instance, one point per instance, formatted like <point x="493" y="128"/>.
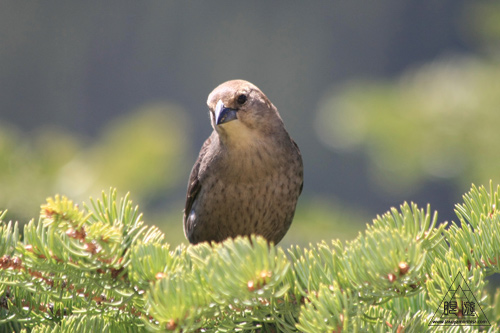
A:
<point x="249" y="172"/>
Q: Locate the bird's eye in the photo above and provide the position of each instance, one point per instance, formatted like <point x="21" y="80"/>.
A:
<point x="242" y="99"/>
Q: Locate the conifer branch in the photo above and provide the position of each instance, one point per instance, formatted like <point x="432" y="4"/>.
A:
<point x="101" y="268"/>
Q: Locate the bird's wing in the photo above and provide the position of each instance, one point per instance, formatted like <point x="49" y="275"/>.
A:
<point x="194" y="185"/>
<point x="300" y="154"/>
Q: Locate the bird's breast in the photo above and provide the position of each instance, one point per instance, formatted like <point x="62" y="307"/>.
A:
<point x="251" y="163"/>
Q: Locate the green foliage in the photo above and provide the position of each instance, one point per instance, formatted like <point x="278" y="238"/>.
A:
<point x="100" y="268"/>
<point x="436" y="121"/>
<point x="133" y="151"/>
<point x="136" y="150"/>
<point x="321" y="217"/>
<point x="31" y="166"/>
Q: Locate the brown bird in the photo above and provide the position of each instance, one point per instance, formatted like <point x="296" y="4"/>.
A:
<point x="249" y="172"/>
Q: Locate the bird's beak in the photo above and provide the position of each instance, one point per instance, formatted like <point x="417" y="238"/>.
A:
<point x="223" y="114"/>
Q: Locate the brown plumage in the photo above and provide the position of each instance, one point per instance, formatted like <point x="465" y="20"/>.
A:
<point x="249" y="173"/>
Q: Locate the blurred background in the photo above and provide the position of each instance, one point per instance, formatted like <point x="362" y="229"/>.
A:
<point x="389" y="101"/>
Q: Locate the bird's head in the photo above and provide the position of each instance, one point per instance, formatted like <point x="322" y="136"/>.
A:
<point x="239" y="109"/>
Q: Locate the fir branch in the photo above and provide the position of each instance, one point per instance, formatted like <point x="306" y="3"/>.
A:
<point x="101" y="268"/>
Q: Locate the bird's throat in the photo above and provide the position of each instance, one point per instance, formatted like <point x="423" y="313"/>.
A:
<point x="236" y="135"/>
